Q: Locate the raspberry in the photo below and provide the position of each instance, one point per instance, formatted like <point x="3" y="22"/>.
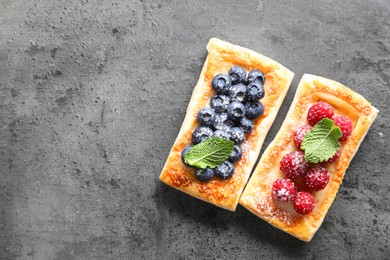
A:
<point x="284" y="190"/>
<point x="293" y="165"/>
<point x="345" y="125"/>
<point x="335" y="157"/>
<point x="317" y="178"/>
<point x="304" y="202"/>
<point x="299" y="133"/>
<point x="318" y="111"/>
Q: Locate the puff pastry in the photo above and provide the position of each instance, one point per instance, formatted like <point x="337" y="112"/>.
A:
<point x="222" y="56"/>
<point x="257" y="195"/>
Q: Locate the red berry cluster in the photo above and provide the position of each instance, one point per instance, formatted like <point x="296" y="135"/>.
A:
<point x="294" y="166"/>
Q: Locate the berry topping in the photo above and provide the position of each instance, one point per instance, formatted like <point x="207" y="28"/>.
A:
<point x="319" y="111"/>
<point x="246" y="125"/>
<point x="293" y="165"/>
<point x="345" y="125"/>
<point x="204" y="174"/>
<point x="256" y="75"/>
<point x="185" y="151"/>
<point x="236" y="154"/>
<point x="317" y="178"/>
<point x="299" y="133"/>
<point x="220" y="103"/>
<point x="237" y="135"/>
<point x="222" y="134"/>
<point x="206" y="116"/>
<point x="224" y="170"/>
<point x="254" y="109"/>
<point x="237" y="74"/>
<point x="236" y="111"/>
<point x="284" y="190"/>
<point x="304" y="202"/>
<point x="200" y="134"/>
<point x="221" y="83"/>
<point x="335" y="157"/>
<point x="237" y="92"/>
<point x="230" y="116"/>
<point x="255" y="91"/>
<point x="222" y="122"/>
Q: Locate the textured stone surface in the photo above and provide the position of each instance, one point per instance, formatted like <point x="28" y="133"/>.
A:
<point x="92" y="97"/>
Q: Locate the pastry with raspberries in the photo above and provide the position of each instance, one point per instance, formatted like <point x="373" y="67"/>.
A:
<point x="295" y="165"/>
<point x="299" y="174"/>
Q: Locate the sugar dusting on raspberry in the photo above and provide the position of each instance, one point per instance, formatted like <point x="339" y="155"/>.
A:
<point x="299" y="133"/>
<point x="317" y="178"/>
<point x="318" y="111"/>
<point x="304" y="203"/>
<point x="293" y="165"/>
<point x="345" y="125"/>
<point x="284" y="190"/>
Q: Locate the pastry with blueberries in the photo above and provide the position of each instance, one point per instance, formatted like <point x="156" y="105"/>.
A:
<point x="232" y="107"/>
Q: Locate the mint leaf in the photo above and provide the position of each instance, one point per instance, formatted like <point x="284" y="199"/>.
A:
<point x="321" y="142"/>
<point x="209" y="153"/>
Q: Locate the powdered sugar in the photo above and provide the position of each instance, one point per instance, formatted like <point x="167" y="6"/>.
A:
<point x="271" y="211"/>
<point x="317" y="178"/>
<point x="284" y="190"/>
<point x="293" y="165"/>
<point x="304" y="203"/>
<point x="299" y="134"/>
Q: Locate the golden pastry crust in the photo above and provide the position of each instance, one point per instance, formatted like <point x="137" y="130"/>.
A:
<point x="257" y="194"/>
<point x="221" y="57"/>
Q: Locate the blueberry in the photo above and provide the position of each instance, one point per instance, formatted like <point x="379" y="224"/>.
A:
<point x="246" y="125"/>
<point x="221" y="83"/>
<point x="255" y="91"/>
<point x="237" y="135"/>
<point x="206" y="116"/>
<point x="220" y="103"/>
<point x="237" y="74"/>
<point x="254" y="109"/>
<point x="236" y="111"/>
<point x="224" y="171"/>
<point x="185" y="151"/>
<point x="222" y="134"/>
<point x="204" y="174"/>
<point x="256" y="75"/>
<point x="222" y="122"/>
<point x="236" y="154"/>
<point x="237" y="92"/>
<point x="200" y="134"/>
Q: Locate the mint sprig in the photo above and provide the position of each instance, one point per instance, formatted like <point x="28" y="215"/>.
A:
<point x="209" y="153"/>
<point x="321" y="142"/>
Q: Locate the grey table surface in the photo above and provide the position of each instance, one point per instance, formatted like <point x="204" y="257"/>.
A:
<point x="93" y="94"/>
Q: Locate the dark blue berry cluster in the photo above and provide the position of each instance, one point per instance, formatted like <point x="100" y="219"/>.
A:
<point x="230" y="115"/>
